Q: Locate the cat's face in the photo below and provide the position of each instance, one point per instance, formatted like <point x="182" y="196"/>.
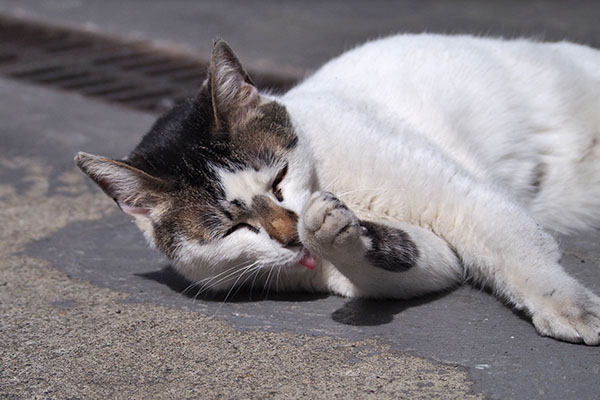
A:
<point x="218" y="183"/>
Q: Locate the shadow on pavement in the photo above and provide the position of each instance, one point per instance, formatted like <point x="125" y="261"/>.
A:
<point x="370" y="312"/>
<point x="169" y="277"/>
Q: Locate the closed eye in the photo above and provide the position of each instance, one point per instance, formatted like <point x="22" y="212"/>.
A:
<point x="278" y="179"/>
<point x="241" y="225"/>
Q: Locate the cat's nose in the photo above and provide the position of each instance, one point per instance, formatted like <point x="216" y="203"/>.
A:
<point x="280" y="223"/>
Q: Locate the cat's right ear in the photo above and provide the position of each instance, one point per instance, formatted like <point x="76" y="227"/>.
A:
<point x="136" y="192"/>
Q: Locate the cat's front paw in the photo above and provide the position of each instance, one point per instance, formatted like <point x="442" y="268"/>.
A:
<point x="576" y="321"/>
<point x="327" y="225"/>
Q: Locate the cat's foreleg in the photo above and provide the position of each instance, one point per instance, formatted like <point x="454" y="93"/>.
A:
<point x="499" y="244"/>
<point x="380" y="259"/>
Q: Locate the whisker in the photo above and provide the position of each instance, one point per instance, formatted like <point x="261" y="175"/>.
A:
<point x="230" y="276"/>
<point x="213" y="281"/>
<point x="258" y="271"/>
<point x="277" y="279"/>
<point x="189" y="287"/>
<point x="267" y="287"/>
<point x="330" y="185"/>
<point x="233" y="286"/>
<point x="357" y="190"/>
<point x="250" y="273"/>
<point x="207" y="281"/>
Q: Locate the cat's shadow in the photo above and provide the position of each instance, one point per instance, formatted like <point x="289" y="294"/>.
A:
<point x="169" y="277"/>
<point x="372" y="312"/>
<point x="355" y="312"/>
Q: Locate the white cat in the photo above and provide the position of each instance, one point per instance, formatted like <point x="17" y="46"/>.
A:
<point x="402" y="167"/>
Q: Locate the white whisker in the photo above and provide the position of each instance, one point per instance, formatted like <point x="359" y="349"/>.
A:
<point x="258" y="270"/>
<point x="357" y="190"/>
<point x="211" y="283"/>
<point x="245" y="270"/>
<point x="267" y="283"/>
<point x="329" y="186"/>
<point x="250" y="273"/>
<point x="277" y="279"/>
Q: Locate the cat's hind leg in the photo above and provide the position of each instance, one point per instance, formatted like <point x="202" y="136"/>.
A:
<point x="502" y="247"/>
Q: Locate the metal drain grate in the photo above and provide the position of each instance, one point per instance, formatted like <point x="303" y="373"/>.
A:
<point x="134" y="73"/>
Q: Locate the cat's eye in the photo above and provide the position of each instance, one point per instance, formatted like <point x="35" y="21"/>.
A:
<point x="275" y="187"/>
<point x="241" y="225"/>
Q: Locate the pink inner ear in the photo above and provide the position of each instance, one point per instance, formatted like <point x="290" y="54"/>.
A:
<point x="143" y="211"/>
<point x="250" y="95"/>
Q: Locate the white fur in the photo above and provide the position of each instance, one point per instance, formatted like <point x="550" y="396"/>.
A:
<point x="492" y="108"/>
<point x="445" y="138"/>
<point x="244" y="185"/>
<point x="449" y="134"/>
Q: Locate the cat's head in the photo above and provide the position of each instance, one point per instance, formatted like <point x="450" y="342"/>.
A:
<point x="219" y="181"/>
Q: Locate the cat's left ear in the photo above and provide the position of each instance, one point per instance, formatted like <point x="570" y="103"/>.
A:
<point x="232" y="90"/>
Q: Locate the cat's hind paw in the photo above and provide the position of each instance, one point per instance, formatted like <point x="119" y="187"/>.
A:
<point x="576" y="322"/>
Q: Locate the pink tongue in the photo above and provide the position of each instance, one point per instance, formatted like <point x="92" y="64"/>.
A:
<point x="308" y="260"/>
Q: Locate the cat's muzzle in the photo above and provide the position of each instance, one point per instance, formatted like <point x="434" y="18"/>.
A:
<point x="280" y="223"/>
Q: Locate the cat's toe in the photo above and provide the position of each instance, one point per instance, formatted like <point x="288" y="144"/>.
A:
<point x="340" y="226"/>
<point x="327" y="222"/>
<point x="319" y="207"/>
<point x="577" y="322"/>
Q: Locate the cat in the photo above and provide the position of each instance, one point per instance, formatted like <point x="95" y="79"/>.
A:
<point x="408" y="165"/>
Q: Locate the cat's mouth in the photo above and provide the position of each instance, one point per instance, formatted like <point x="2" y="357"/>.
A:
<point x="307" y="259"/>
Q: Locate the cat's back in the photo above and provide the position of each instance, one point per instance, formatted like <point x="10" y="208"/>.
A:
<point x="435" y="82"/>
<point x="507" y="111"/>
<point x="472" y="97"/>
<point x="430" y="60"/>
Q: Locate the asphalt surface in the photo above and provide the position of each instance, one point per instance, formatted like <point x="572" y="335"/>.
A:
<point x="295" y="37"/>
<point x="89" y="311"/>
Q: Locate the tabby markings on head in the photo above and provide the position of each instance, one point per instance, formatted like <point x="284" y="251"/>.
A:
<point x="200" y="166"/>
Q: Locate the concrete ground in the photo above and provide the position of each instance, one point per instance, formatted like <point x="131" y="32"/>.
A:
<point x="87" y="311"/>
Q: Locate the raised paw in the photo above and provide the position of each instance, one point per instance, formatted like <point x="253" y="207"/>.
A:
<point x="327" y="224"/>
<point x="572" y="321"/>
